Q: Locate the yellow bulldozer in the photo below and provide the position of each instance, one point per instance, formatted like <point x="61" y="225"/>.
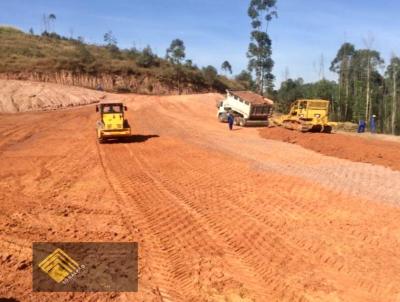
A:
<point x="307" y="116"/>
<point x="112" y="123"/>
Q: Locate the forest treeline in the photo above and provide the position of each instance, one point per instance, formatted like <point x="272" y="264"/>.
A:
<point x="365" y="87"/>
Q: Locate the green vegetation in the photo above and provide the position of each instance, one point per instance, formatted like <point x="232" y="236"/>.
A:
<point x="226" y="67"/>
<point x="361" y="91"/>
<point x="292" y="90"/>
<point x="261" y="13"/>
<point x="51" y="53"/>
<point x="176" y="52"/>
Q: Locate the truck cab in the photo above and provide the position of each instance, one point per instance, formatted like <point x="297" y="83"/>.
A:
<point x="112" y="123"/>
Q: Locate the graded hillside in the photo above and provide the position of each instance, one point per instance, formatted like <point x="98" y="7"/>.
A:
<point x="50" y="57"/>
<point x="21" y="96"/>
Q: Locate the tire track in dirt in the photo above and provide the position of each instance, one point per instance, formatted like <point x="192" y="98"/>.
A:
<point x="177" y="230"/>
<point x="211" y="221"/>
<point x="375" y="183"/>
<point x="324" y="253"/>
<point x="230" y="261"/>
<point x="151" y="250"/>
<point x="228" y="231"/>
<point x="252" y="252"/>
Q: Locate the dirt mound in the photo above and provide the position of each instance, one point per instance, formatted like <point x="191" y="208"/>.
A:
<point x="359" y="149"/>
<point x="20" y="96"/>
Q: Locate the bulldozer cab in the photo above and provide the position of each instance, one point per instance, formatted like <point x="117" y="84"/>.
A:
<point x="112" y="115"/>
<point x="111" y="108"/>
<point x="310" y="109"/>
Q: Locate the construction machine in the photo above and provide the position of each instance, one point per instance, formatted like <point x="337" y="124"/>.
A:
<point x="307" y="116"/>
<point x="247" y="108"/>
<point x="112" y="123"/>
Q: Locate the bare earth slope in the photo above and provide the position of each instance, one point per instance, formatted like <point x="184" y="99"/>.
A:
<point x="219" y="216"/>
<point x="21" y="96"/>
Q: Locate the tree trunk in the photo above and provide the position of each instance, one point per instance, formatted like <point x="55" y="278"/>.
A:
<point x="346" y="104"/>
<point x="339" y="111"/>
<point x="394" y="101"/>
<point x="262" y="81"/>
<point x="368" y="105"/>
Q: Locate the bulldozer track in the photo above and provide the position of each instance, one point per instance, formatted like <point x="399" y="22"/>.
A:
<point x="203" y="237"/>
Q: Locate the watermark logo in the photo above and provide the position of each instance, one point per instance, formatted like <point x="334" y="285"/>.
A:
<point x="85" y="267"/>
<point x="60" y="267"/>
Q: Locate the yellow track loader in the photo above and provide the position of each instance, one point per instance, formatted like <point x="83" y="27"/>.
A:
<point x="112" y="123"/>
<point x="307" y="116"/>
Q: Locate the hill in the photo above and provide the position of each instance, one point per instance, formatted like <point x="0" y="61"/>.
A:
<point x="50" y="57"/>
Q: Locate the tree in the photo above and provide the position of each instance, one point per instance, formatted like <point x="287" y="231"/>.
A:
<point x="368" y="60"/>
<point x="176" y="52"/>
<point x="342" y="64"/>
<point x="147" y="58"/>
<point x="322" y="89"/>
<point x="227" y="67"/>
<point x="246" y="79"/>
<point x="52" y="19"/>
<point x="393" y="75"/>
<point x="84" y="54"/>
<point x="259" y="53"/>
<point x="109" y="38"/>
<point x="290" y="91"/>
<point x="210" y="74"/>
<point x="111" y="44"/>
<point x="360" y="85"/>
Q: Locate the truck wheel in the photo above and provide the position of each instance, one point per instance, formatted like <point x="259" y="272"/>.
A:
<point x="237" y="121"/>
<point x="222" y="117"/>
<point x="242" y="122"/>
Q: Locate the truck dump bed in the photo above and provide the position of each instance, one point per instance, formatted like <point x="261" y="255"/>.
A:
<point x="252" y="98"/>
<point x="247" y="107"/>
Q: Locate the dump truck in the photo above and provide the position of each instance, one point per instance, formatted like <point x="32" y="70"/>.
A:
<point x="247" y="108"/>
<point x="307" y="116"/>
<point x="112" y="123"/>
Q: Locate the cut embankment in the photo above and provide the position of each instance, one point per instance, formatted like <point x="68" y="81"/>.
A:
<point x="358" y="149"/>
<point x="22" y="96"/>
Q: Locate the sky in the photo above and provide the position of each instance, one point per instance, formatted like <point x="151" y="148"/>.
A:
<point x="305" y="36"/>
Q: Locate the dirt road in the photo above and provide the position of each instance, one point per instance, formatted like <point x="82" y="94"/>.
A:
<point x="219" y="216"/>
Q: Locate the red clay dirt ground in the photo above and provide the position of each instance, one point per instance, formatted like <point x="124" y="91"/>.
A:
<point x="219" y="215"/>
<point x="357" y="149"/>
